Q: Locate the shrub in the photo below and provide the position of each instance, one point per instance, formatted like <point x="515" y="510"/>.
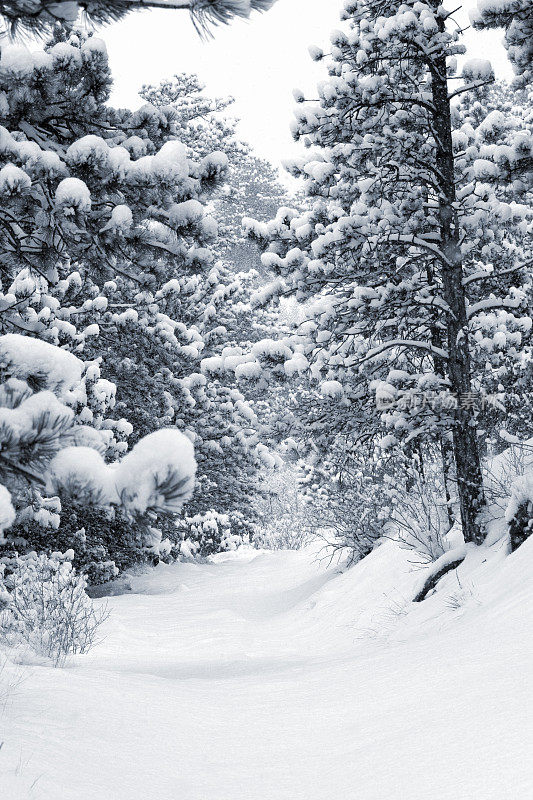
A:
<point x="347" y="506"/>
<point x="284" y="511"/>
<point x="211" y="532"/>
<point x="357" y="499"/>
<point x="519" y="513"/>
<point x="43" y="604"/>
<point x="418" y="515"/>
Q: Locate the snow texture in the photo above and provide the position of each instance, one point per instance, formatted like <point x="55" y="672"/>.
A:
<point x="7" y="512"/>
<point x="274" y="676"/>
<point x="26" y="357"/>
<point x="141" y="476"/>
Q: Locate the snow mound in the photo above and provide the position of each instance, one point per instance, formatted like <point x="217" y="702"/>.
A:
<point x="278" y="676"/>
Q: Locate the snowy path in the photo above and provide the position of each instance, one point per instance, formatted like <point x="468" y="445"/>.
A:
<point x="268" y="677"/>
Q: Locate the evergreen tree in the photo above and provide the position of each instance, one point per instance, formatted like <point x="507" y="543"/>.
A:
<point x="229" y="325"/>
<point x="106" y="250"/>
<point x="408" y="238"/>
<point x="43" y="450"/>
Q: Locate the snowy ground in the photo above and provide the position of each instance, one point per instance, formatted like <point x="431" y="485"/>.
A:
<point x="269" y="677"/>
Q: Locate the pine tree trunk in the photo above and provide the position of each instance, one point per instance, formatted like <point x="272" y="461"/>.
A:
<point x="446" y="450"/>
<point x="447" y="456"/>
<point x="465" y="445"/>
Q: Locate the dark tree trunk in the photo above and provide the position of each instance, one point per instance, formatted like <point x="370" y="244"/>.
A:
<point x="447" y="458"/>
<point x="446" y="450"/>
<point x="465" y="444"/>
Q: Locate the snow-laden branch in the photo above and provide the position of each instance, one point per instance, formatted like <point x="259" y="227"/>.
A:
<point x="411" y="343"/>
<point x="416" y="241"/>
<point x="470" y="87"/>
<point x="483" y="274"/>
<point x="491" y="304"/>
<point x="40" y="15"/>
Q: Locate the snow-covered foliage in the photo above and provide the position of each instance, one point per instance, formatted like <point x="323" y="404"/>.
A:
<point x="190" y="387"/>
<point x="39" y="454"/>
<point x="519" y="512"/>
<point x="285" y="510"/>
<point x="7" y="512"/>
<point x="410" y="263"/>
<point x="38" y="15"/>
<point x="211" y="532"/>
<point x="78" y="204"/>
<point x="516" y="18"/>
<point x="123" y="264"/>
<point x="158" y="474"/>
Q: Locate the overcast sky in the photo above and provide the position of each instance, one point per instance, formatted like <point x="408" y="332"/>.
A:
<point x="259" y="62"/>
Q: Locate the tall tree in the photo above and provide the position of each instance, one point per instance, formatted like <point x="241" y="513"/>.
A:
<point x="106" y="249"/>
<point x="406" y="236"/>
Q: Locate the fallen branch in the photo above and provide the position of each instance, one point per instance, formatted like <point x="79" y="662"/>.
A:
<point x="442" y="565"/>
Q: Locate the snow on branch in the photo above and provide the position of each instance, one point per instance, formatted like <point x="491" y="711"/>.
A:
<point x="416" y="345"/>
<point x="40" y="15"/>
<point x="484" y="273"/>
<point x="492" y="303"/>
<point x="416" y="241"/>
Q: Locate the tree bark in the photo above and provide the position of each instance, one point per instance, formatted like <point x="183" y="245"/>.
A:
<point x="465" y="444"/>
<point x="447" y="456"/>
<point x="434" y="579"/>
<point x="446" y="450"/>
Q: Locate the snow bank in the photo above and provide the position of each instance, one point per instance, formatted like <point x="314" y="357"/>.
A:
<point x="279" y="677"/>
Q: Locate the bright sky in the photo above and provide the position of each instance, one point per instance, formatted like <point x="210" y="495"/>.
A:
<point x="259" y="62"/>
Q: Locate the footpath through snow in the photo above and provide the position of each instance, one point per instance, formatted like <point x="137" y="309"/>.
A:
<point x="267" y="676"/>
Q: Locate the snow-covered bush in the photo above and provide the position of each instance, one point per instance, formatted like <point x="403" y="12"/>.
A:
<point x="519" y="514"/>
<point x="211" y="532"/>
<point x="43" y="604"/>
<point x="105" y="542"/>
<point x="419" y="516"/>
<point x="354" y="498"/>
<point x="284" y="511"/>
<point x="347" y="503"/>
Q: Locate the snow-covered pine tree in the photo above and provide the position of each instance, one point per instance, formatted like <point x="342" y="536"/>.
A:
<point x="251" y="186"/>
<point x="122" y="211"/>
<point x="215" y="304"/>
<point x="43" y="450"/>
<point x="120" y="205"/>
<point x="516" y="18"/>
<point x="502" y="337"/>
<point x="407" y="237"/>
<point x="40" y="15"/>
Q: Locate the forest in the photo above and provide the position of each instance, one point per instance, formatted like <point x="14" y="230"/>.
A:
<point x="266" y="447"/>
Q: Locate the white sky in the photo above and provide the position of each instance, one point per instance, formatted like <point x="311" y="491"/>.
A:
<point x="259" y="62"/>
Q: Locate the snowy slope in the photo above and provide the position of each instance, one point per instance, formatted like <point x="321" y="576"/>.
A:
<point x="271" y="677"/>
